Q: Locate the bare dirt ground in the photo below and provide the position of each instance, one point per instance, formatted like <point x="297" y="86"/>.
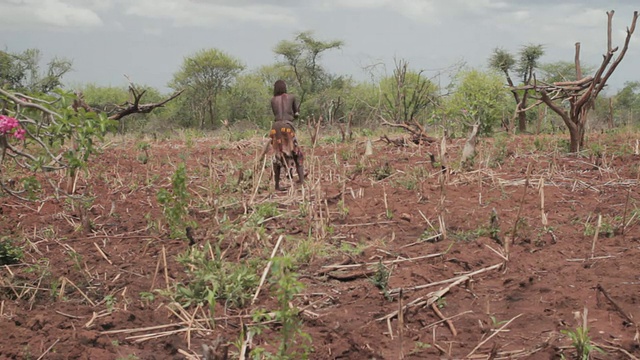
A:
<point x="88" y="265"/>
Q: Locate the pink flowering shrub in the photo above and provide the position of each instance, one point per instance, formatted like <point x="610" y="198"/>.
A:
<point x="11" y="126"/>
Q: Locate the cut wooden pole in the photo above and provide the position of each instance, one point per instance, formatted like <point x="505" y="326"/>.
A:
<point x="266" y="269"/>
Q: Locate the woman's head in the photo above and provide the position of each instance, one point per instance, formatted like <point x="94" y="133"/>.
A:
<point x="279" y="88"/>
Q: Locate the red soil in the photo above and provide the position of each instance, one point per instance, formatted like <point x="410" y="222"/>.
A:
<point x="550" y="275"/>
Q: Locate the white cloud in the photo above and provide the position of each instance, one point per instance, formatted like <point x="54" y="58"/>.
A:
<point x="155" y="31"/>
<point x="415" y="9"/>
<point x="357" y="4"/>
<point x="421" y="10"/>
<point x="56" y="13"/>
<point x="208" y="14"/>
<point x="587" y="18"/>
<point x="482" y="5"/>
<point x="426" y="11"/>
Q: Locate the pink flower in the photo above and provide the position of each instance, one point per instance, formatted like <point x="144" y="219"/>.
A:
<point x="11" y="126"/>
<point x="19" y="133"/>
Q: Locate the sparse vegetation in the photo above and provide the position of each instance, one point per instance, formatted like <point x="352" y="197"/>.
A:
<point x="93" y="224"/>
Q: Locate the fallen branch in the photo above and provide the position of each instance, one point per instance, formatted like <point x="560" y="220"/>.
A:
<point x="48" y="349"/>
<point x="350" y="276"/>
<point x="102" y="253"/>
<point x="266" y="269"/>
<point x="400" y="142"/>
<point x="80" y="291"/>
<point x="245" y="345"/>
<point x="431" y="298"/>
<point x="388" y="262"/>
<point x="623" y="313"/>
<point x="445" y="319"/>
<point x="492" y="335"/>
<point x="615" y="348"/>
<point x="400" y="326"/>
<point x="417" y="131"/>
<point x="455" y="279"/>
<point x="434" y="238"/>
<point x="134" y="107"/>
<point x="435" y="309"/>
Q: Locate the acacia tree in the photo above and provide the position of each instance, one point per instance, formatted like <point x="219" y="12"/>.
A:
<point x="204" y="76"/>
<point x="22" y="72"/>
<point x="504" y="61"/>
<point x="303" y="55"/>
<point x="582" y="93"/>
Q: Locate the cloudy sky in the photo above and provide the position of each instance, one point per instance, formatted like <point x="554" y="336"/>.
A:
<point x="148" y="39"/>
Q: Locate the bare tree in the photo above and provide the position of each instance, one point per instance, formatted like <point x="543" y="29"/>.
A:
<point x="581" y="94"/>
<point x="407" y="94"/>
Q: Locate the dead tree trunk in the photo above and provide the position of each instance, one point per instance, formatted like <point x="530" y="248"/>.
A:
<point x="582" y="92"/>
<point x="313" y="125"/>
<point x="610" y="117"/>
<point x="345" y="129"/>
<point x="522" y="115"/>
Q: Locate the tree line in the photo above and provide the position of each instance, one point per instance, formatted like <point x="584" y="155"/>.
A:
<point x="218" y="89"/>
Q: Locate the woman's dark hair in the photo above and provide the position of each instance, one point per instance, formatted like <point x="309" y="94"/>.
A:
<point x="279" y="88"/>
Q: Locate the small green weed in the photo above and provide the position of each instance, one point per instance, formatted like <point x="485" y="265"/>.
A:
<point x="607" y="229"/>
<point x="469" y="235"/>
<point x="408" y="182"/>
<point x="175" y="203"/>
<point x="343" y="210"/>
<point x="350" y="248"/>
<point x="9" y="252"/>
<point x="380" y="279"/>
<point x="262" y="212"/>
<point x="382" y="172"/>
<point x="499" y="151"/>
<point x="581" y="342"/>
<point x="110" y="302"/>
<point x="495" y="323"/>
<point x="212" y="278"/>
<point x="128" y="357"/>
<point x="419" y="347"/>
<point x="144" y="147"/>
